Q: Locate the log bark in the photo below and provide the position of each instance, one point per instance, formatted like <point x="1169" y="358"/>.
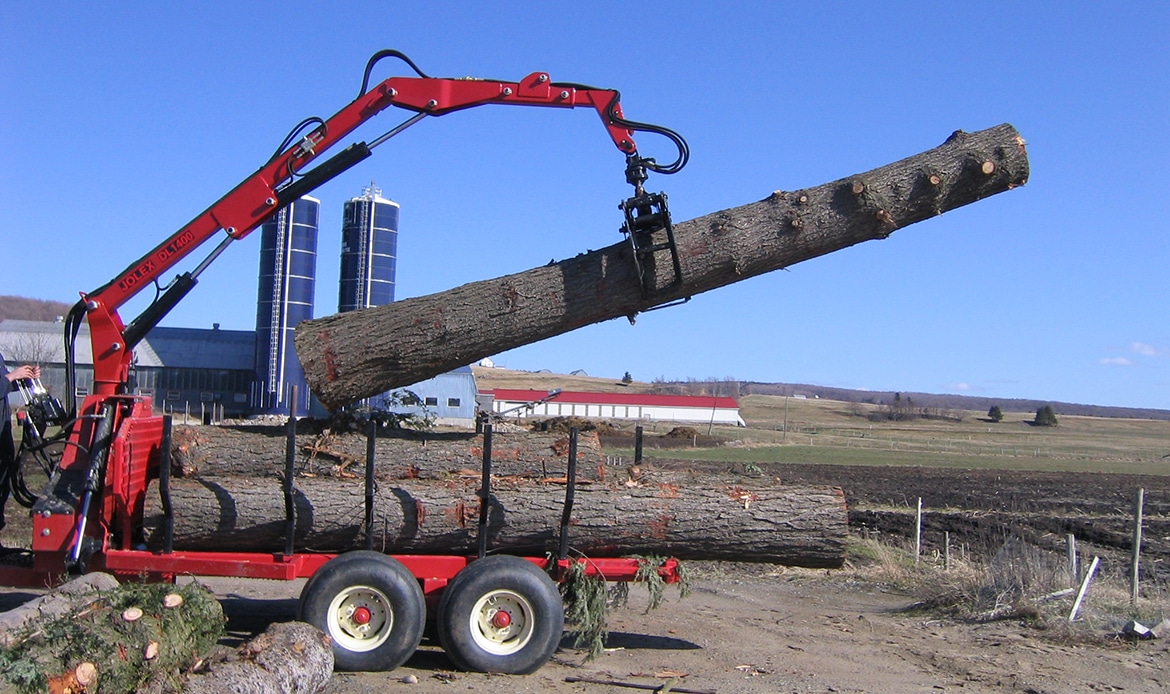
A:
<point x="362" y="353"/>
<point x="288" y="658"/>
<point x="793" y="525"/>
<point x="65" y="599"/>
<point x="259" y="452"/>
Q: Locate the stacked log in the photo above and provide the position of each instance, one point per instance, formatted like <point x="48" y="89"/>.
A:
<point x="430" y="504"/>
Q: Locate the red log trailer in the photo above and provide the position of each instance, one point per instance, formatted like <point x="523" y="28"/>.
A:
<point x="493" y="613"/>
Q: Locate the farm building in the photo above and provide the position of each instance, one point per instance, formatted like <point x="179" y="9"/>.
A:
<point x="450" y="398"/>
<point x="184" y="369"/>
<point x="195" y="372"/>
<point x="636" y="406"/>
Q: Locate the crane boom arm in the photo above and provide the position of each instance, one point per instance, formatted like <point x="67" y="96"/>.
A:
<point x="287" y="176"/>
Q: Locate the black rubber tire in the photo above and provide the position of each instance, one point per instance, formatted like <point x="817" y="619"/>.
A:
<point x="395" y="610"/>
<point x="494" y="584"/>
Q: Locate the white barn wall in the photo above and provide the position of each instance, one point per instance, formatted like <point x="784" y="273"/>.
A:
<point x="660" y="413"/>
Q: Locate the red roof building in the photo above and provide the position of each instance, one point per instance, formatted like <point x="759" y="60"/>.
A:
<point x="637" y="406"/>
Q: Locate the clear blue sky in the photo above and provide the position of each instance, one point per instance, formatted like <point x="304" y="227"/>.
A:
<point x="122" y="121"/>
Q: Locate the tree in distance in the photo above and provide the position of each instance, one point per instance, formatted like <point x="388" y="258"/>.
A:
<point x="1045" y="417"/>
<point x="995" y="414"/>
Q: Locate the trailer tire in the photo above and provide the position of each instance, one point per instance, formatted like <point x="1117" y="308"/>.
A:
<point x="501" y="614"/>
<point x="370" y="605"/>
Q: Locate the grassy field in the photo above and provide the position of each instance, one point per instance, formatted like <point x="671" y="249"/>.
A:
<point x="790" y="430"/>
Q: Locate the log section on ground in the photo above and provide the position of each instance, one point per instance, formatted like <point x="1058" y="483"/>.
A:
<point x="362" y="353"/>
<point x="795" y="525"/>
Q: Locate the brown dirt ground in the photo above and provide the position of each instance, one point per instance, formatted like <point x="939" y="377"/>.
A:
<point x="762" y="628"/>
<point x="756" y="628"/>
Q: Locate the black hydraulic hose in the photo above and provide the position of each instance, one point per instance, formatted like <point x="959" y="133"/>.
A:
<point x="684" y="150"/>
<point x="71" y="327"/>
<point x="292" y="135"/>
<point x="387" y="53"/>
<point x="290" y="458"/>
<point x="103" y="433"/>
<point x="164" y="485"/>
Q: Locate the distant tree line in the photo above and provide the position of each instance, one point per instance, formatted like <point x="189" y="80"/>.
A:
<point x="727" y="387"/>
<point x="943" y="402"/>
<point x="902" y="409"/>
<point x="24" y="308"/>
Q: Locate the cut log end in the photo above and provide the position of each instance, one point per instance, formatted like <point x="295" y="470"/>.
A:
<point x="86" y="674"/>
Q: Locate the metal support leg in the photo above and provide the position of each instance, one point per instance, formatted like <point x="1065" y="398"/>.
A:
<point x="570" y="493"/>
<point x="485" y="491"/>
<point x="371" y="438"/>
<point x="164" y="487"/>
<point x="290" y="459"/>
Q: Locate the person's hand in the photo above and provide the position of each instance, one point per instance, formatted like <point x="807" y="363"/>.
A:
<point x="24" y="371"/>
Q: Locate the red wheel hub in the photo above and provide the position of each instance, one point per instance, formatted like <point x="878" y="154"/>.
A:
<point x="361" y="615"/>
<point x="501" y="619"/>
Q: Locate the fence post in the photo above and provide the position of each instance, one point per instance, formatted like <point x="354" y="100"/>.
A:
<point x="918" y="533"/>
<point x="1137" y="546"/>
<point x="638" y="445"/>
<point x="1072" y="616"/>
<point x="1070" y="550"/>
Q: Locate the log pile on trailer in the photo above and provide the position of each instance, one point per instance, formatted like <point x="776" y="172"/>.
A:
<point x="428" y="501"/>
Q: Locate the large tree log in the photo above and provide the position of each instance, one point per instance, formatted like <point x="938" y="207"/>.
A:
<point x="794" y="525"/>
<point x="361" y="353"/>
<point x="259" y="451"/>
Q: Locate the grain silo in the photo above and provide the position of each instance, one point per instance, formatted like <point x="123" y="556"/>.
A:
<point x="288" y="275"/>
<point x="369" y="251"/>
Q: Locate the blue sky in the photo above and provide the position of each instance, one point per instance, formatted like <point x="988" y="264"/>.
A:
<point x="122" y="121"/>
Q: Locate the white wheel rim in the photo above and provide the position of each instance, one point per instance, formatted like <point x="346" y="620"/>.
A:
<point x="360" y="618"/>
<point x="485" y="624"/>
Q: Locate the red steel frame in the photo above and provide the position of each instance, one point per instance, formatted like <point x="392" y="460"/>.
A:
<point x="136" y="449"/>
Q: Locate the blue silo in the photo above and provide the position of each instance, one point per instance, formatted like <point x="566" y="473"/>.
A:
<point x="369" y="251"/>
<point x="288" y="275"/>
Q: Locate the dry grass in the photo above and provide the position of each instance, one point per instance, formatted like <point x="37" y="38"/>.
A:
<point x="489" y="379"/>
<point x="1018" y="582"/>
<point x="818" y="431"/>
